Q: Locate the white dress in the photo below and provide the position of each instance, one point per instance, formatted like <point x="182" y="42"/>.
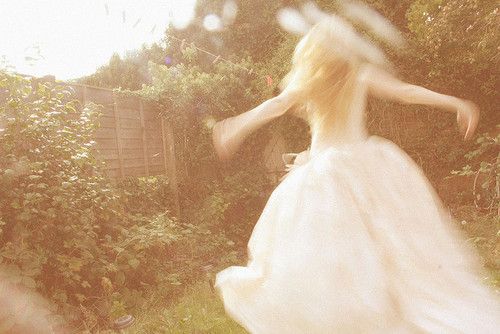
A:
<point x="355" y="240"/>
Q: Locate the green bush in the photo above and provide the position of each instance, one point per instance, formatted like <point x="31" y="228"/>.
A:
<point x="484" y="167"/>
<point x="64" y="230"/>
<point x="223" y="196"/>
<point x="53" y="198"/>
<point x="146" y="195"/>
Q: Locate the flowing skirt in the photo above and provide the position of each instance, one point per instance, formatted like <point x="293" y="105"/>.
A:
<point x="356" y="241"/>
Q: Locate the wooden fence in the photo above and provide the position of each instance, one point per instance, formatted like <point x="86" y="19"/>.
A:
<point x="130" y="137"/>
<point x="132" y="140"/>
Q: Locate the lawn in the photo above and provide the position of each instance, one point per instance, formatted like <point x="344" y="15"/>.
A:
<point x="198" y="310"/>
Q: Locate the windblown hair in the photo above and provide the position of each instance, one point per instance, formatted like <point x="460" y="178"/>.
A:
<point x="326" y="76"/>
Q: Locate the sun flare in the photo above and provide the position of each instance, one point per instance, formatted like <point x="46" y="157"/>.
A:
<point x="71" y="38"/>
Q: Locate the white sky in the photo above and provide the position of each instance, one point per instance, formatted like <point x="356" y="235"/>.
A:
<point x="75" y="37"/>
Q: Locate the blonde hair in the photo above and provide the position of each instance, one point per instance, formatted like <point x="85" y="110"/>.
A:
<point x="325" y="76"/>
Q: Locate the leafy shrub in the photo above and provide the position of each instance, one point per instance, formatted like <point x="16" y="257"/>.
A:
<point x="146" y="195"/>
<point x="457" y="48"/>
<point x="485" y="170"/>
<point x="224" y="196"/>
<point x="53" y="199"/>
<point x="64" y="230"/>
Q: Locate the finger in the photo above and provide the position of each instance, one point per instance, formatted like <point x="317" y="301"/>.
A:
<point x="468" y="131"/>
<point x="462" y="123"/>
<point x="466" y="125"/>
<point x="472" y="125"/>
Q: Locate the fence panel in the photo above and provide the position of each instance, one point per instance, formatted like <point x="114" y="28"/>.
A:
<point x="129" y="139"/>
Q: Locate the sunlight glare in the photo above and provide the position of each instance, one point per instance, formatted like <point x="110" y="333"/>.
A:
<point x="212" y="22"/>
<point x="292" y="21"/>
<point x="71" y="39"/>
<point x="229" y="12"/>
<point x="183" y="13"/>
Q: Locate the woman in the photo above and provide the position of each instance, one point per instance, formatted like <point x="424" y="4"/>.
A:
<point x="354" y="239"/>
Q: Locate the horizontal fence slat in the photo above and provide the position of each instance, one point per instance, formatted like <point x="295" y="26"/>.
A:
<point x="156" y="152"/>
<point x="152" y="136"/>
<point x="140" y="139"/>
<point x="129" y="113"/>
<point x="131" y="102"/>
<point x="154" y="145"/>
<point x="131" y="143"/>
<point x="129" y="137"/>
<point x="134" y="171"/>
<point x="106" y="121"/>
<point x="99" y="96"/>
<point x="129" y="124"/>
<point x="129" y="163"/>
<point x="105" y="133"/>
<point x="160" y="166"/>
<point x="133" y="153"/>
<point x="155" y="161"/>
<point x="156" y="170"/>
<point x="107" y="154"/>
<point x="105" y="143"/>
<point x="131" y="134"/>
<point x="106" y="111"/>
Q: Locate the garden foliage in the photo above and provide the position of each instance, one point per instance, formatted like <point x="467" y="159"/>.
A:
<point x="95" y="248"/>
<point x="64" y="230"/>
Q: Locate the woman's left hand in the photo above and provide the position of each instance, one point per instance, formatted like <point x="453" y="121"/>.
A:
<point x="467" y="118"/>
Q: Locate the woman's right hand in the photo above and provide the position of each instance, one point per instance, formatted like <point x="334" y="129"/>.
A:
<point x="467" y="118"/>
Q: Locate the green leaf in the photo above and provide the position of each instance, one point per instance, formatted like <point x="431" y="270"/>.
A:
<point x="9" y="173"/>
<point x="134" y="263"/>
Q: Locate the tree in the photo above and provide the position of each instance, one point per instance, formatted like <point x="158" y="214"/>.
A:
<point x="128" y="73"/>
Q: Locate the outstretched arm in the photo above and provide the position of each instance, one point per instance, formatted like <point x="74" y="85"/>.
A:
<point x="385" y="85"/>
<point x="229" y="133"/>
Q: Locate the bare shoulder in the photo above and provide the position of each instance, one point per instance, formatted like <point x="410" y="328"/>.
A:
<point x="369" y="73"/>
<point x="382" y="83"/>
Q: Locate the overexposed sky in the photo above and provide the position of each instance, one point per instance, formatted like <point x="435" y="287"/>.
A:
<point x="72" y="38"/>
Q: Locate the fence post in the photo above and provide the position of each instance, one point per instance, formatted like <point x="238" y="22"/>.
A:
<point x="169" y="161"/>
<point x="144" y="138"/>
<point x="84" y="96"/>
<point x="118" y="136"/>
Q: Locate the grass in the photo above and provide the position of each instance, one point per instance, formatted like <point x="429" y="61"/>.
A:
<point x="483" y="230"/>
<point x="198" y="310"/>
